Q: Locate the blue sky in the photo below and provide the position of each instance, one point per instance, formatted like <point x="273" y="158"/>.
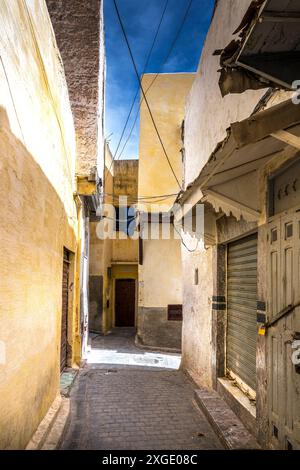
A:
<point x="141" y="19"/>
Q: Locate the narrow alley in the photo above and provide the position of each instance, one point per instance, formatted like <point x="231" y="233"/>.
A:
<point x="149" y="227"/>
<point x="138" y="402"/>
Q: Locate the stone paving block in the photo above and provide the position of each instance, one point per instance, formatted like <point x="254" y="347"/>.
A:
<point x="135" y="408"/>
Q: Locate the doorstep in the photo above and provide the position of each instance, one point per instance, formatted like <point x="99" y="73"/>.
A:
<point x="239" y="402"/>
<point x="230" y="430"/>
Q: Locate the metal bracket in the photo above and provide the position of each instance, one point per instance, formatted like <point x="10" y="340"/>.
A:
<point x="283" y="313"/>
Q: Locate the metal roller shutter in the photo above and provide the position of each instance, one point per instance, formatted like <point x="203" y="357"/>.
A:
<point x="241" y="309"/>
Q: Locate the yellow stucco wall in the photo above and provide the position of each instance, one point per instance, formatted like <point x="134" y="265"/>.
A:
<point x="160" y="276"/>
<point x="38" y="216"/>
<point x="166" y="97"/>
<point x="160" y="285"/>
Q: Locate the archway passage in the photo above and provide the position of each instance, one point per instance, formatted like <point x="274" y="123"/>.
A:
<point x="125" y="302"/>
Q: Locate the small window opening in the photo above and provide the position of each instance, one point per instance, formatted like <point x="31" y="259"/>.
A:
<point x="174" y="312"/>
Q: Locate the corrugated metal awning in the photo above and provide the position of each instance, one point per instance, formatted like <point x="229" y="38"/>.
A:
<point x="267" y="50"/>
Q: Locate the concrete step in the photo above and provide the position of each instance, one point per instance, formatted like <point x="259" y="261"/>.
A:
<point x="230" y="430"/>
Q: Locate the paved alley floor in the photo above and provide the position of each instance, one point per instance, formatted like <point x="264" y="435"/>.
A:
<point x="142" y="404"/>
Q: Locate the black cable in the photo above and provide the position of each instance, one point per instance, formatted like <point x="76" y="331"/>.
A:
<point x="145" y="98"/>
<point x="183" y="242"/>
<point x="164" y="62"/>
<point x="138" y="89"/>
<point x="141" y="198"/>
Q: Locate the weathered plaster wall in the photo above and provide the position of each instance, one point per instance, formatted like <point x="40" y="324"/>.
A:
<point x="126" y="179"/>
<point x="38" y="217"/>
<point x="208" y="115"/>
<point x="197" y="315"/>
<point x="160" y="276"/>
<point x="163" y="257"/>
<point x="79" y="32"/>
<point x="125" y="251"/>
<point x="160" y="285"/>
<point x="166" y="98"/>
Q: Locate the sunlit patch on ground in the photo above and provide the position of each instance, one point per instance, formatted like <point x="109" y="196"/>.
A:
<point x="146" y="359"/>
<point x="119" y="348"/>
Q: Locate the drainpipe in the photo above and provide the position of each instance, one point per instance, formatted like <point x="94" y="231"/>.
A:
<point x="76" y="327"/>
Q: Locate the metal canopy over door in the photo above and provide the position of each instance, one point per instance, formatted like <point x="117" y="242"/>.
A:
<point x="242" y="309"/>
<point x="64" y="313"/>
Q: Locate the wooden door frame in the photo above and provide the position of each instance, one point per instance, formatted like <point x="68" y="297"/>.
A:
<point x="71" y="303"/>
<point x="124" y="275"/>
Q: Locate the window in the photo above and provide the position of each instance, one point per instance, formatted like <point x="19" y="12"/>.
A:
<point x="125" y="220"/>
<point x="196" y="277"/>
<point x="175" y="312"/>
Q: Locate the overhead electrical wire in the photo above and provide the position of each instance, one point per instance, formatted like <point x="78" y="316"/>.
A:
<point x="132" y="200"/>
<point x="151" y="84"/>
<point x="145" y="97"/>
<point x="191" y="250"/>
<point x="138" y="89"/>
<point x="138" y="198"/>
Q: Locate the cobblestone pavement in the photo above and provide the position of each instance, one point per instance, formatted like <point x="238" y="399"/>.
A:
<point x="114" y="406"/>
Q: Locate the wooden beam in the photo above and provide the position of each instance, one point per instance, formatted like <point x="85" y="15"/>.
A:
<point x="280" y="17"/>
<point x="261" y="125"/>
<point x="288" y="138"/>
<point x="193" y="198"/>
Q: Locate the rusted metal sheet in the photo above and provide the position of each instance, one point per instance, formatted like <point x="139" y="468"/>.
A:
<point x="241" y="309"/>
<point x="266" y="51"/>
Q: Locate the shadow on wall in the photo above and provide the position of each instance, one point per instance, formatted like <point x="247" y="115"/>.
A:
<point x="95" y="303"/>
<point x="34" y="228"/>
